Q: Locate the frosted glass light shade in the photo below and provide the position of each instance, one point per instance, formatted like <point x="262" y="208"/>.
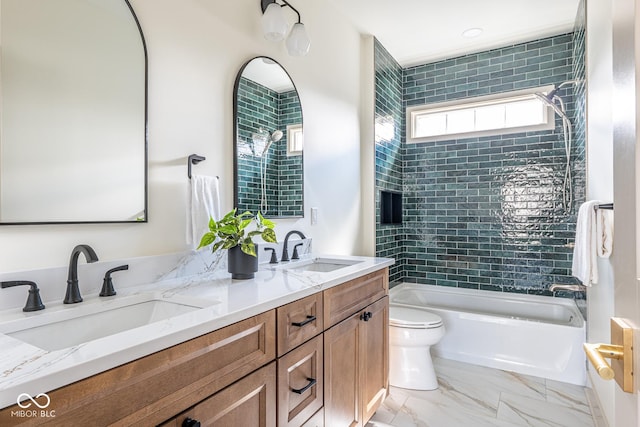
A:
<point x="274" y="24"/>
<point x="298" y="42"/>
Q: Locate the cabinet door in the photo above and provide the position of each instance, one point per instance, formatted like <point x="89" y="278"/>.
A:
<point x="374" y="357"/>
<point x="357" y="366"/>
<point x="251" y="402"/>
<point x="300" y="383"/>
<point x="341" y="377"/>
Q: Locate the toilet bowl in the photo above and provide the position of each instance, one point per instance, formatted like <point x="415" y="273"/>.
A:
<point x="412" y="332"/>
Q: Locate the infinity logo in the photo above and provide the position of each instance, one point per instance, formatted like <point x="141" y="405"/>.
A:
<point x="25" y="405"/>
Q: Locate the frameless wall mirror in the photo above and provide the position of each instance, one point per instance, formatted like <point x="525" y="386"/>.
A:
<point x="73" y="101"/>
<point x="268" y="141"/>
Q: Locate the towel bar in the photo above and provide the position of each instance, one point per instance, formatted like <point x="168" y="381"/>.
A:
<point x="608" y="206"/>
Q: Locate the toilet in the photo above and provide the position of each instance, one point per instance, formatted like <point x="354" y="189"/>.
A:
<point x="412" y="332"/>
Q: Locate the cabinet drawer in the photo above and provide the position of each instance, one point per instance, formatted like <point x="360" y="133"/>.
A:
<point x="152" y="389"/>
<point x="300" y="383"/>
<point x="251" y="402"/>
<point x="316" y="421"/>
<point x="299" y="321"/>
<point x="344" y="300"/>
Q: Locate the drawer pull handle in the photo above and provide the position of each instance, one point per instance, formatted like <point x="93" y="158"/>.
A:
<point x="304" y="322"/>
<point x="312" y="382"/>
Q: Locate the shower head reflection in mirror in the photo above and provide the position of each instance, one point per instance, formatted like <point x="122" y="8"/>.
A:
<point x="554" y="100"/>
<point x="264" y="139"/>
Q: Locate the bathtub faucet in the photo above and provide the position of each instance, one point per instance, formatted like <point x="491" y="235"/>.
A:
<point x="573" y="288"/>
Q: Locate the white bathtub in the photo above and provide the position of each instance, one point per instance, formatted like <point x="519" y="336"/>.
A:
<point x="527" y="334"/>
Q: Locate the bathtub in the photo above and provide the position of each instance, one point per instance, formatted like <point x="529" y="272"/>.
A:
<point x="527" y="334"/>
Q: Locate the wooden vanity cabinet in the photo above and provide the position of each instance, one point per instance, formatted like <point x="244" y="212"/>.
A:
<point x="250" y="402"/>
<point x="299" y="321"/>
<point x="356" y="350"/>
<point x="150" y="390"/>
<point x="300" y="360"/>
<point x="316" y="421"/>
<point x="333" y="349"/>
<point x="327" y="365"/>
<point x="300" y="383"/>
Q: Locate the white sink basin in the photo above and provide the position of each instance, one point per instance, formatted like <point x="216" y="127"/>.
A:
<point x="322" y="265"/>
<point x="90" y="320"/>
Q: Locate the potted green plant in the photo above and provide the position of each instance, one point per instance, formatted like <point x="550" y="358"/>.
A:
<point x="231" y="232"/>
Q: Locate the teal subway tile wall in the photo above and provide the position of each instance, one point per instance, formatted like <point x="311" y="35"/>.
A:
<point x="485" y="212"/>
<point x="390" y="238"/>
<point x="291" y="177"/>
<point x="261" y="107"/>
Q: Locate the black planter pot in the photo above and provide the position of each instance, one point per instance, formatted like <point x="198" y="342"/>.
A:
<point x="240" y="265"/>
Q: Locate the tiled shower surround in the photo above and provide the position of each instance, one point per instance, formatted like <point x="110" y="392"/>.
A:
<point x="261" y="107"/>
<point x="482" y="213"/>
<point x="388" y="154"/>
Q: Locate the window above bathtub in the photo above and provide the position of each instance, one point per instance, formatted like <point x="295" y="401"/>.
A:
<point x="508" y="112"/>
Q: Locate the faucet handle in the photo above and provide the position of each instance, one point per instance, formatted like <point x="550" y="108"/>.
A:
<point x="274" y="257"/>
<point x="34" y="303"/>
<point x="295" y="251"/>
<point x="107" y="283"/>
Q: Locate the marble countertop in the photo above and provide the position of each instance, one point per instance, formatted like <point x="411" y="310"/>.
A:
<point x="25" y="368"/>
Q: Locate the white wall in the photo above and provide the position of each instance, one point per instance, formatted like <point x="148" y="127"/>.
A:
<point x="600" y="176"/>
<point x="195" y="48"/>
<point x="367" y="161"/>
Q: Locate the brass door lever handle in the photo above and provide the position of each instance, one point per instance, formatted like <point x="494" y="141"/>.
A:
<point x="620" y="353"/>
<point x="596" y="354"/>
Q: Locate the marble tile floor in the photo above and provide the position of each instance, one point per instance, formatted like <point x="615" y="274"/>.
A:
<point x="475" y="396"/>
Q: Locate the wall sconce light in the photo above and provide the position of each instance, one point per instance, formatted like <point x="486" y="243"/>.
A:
<point x="275" y="27"/>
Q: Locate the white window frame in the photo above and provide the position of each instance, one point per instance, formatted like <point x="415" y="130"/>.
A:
<point x="293" y="132"/>
<point x="469" y="103"/>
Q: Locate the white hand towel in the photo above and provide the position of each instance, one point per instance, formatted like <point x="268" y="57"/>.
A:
<point x="204" y="202"/>
<point x="604" y="232"/>
<point x="594" y="237"/>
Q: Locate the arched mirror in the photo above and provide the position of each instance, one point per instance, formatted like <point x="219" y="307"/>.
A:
<point x="268" y="141"/>
<point x="73" y="102"/>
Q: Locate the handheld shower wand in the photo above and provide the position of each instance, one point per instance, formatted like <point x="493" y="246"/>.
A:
<point x="275" y="136"/>
<point x="553" y="100"/>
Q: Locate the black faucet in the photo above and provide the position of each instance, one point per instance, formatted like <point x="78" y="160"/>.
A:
<point x="285" y="247"/>
<point x="73" y="292"/>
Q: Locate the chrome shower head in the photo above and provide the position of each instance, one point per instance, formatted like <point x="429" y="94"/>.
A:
<point x="276" y="135"/>
<point x="550" y="102"/>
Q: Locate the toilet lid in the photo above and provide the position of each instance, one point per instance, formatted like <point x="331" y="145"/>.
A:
<point x="413" y="318"/>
